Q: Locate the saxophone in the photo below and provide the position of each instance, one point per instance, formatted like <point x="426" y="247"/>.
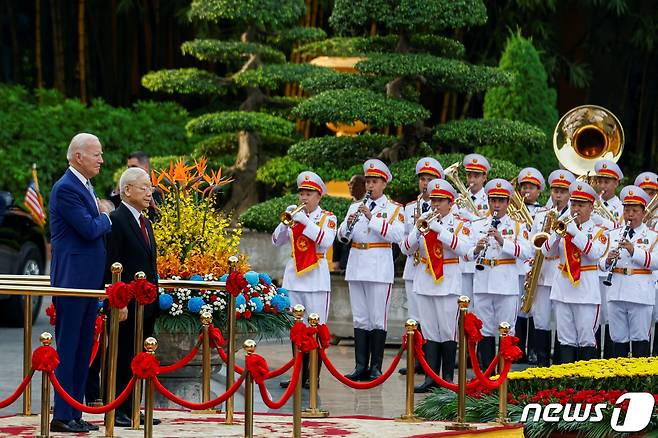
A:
<point x="418" y="213"/>
<point x="532" y="279"/>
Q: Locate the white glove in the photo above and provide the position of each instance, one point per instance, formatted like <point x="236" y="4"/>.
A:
<point x="291" y="207"/>
<point x="436" y="226"/>
<point x="301" y="218"/>
<point x="572" y="228"/>
<point x="414" y="235"/>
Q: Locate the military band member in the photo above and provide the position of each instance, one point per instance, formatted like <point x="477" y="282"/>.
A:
<point x="477" y="167"/>
<point x="501" y="242"/>
<point x="312" y="233"/>
<point x="437" y="281"/>
<point x="631" y="296"/>
<point x="575" y="292"/>
<point x="377" y="224"/>
<point x="559" y="182"/>
<point x="531" y="183"/>
<point x="427" y="169"/>
<point x="648" y="181"/>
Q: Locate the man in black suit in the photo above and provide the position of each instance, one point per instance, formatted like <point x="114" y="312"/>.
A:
<point x="139" y="159"/>
<point x="132" y="244"/>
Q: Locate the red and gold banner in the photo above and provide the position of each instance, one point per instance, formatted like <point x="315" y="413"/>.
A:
<point x="303" y="250"/>
<point x="434" y="249"/>
<point x="573" y="256"/>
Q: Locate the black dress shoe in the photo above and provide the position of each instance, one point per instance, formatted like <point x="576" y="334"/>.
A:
<point x="70" y="426"/>
<point x="122" y="420"/>
<point x="284" y="383"/>
<point x="156" y="421"/>
<point x="87" y="425"/>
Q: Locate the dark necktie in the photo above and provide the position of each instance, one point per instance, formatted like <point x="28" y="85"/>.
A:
<point x="145" y="234"/>
<point x="631" y="233"/>
<point x="605" y="203"/>
<point x="373" y="204"/>
<point x="425" y="207"/>
<point x="473" y="197"/>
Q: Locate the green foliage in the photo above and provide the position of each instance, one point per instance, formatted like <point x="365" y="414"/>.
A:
<point x="298" y="34"/>
<point x="280" y="173"/>
<point x="364" y="46"/>
<point x="265" y="216"/>
<point x="229" y="51"/>
<point x="408" y="15"/>
<point x="227" y="143"/>
<point x="185" y="81"/>
<point x="346" y="106"/>
<point x="339" y="152"/>
<point x="527" y="98"/>
<point x="235" y="121"/>
<point x="448" y="73"/>
<point x="270" y="14"/>
<point x="40" y="132"/>
<point x="329" y="79"/>
<point x="274" y="75"/>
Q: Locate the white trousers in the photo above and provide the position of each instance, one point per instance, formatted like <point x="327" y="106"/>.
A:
<point x="412" y="301"/>
<point x="493" y="309"/>
<point x="467" y="284"/>
<point x="541" y="308"/>
<point x="577" y="323"/>
<point x="313" y="302"/>
<point x="629" y="321"/>
<point x="370" y="303"/>
<point x="440" y="315"/>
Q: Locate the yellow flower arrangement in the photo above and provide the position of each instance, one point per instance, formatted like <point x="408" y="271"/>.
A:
<point x="593" y="369"/>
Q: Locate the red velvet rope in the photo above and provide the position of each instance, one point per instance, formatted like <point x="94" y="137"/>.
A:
<point x="324" y="336"/>
<point x="181" y="363"/>
<point x="224" y="356"/>
<point x="98" y="335"/>
<point x="289" y="391"/>
<point x="277" y="372"/>
<point x="257" y="367"/>
<point x="45" y="358"/>
<point x="145" y="365"/>
<point x="145" y="292"/>
<point x="88" y="409"/>
<point x="215" y="337"/>
<point x="303" y="337"/>
<point x="362" y="385"/>
<point x="483" y="379"/>
<point x="12" y="398"/>
<point x="197" y="406"/>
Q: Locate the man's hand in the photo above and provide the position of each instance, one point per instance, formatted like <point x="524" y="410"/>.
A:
<point x="301" y="217"/>
<point x="123" y="314"/>
<point x="103" y="207"/>
<point x="628" y="246"/>
<point x="572" y="228"/>
<point x="493" y="232"/>
<point x="481" y="244"/>
<point x="365" y="211"/>
<point x="612" y="255"/>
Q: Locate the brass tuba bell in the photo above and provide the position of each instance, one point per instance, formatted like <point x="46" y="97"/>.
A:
<point x="586" y="134"/>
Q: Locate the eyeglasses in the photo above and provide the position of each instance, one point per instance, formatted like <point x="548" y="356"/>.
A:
<point x="143" y="188"/>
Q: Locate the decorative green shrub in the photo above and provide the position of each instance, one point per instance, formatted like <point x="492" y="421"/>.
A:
<point x="265" y="216"/>
<point x="339" y="152"/>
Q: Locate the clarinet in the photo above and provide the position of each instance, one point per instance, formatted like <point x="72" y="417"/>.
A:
<point x="351" y="224"/>
<point x="479" y="264"/>
<point x="608" y="280"/>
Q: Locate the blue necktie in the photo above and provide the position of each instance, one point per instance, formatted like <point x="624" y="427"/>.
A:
<point x="373" y="204"/>
<point x="425" y="207"/>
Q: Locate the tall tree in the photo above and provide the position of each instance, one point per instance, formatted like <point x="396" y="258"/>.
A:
<point x="82" y="44"/>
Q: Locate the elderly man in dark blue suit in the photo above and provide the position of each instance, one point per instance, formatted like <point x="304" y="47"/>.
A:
<point x="78" y="228"/>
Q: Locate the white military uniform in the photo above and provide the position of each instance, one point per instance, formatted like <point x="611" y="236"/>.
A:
<point x="631" y="296"/>
<point x="577" y="305"/>
<point x="311" y="287"/>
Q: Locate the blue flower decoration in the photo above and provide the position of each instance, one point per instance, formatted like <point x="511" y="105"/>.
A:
<point x="266" y="278"/>
<point x="286" y="301"/>
<point x="99" y="304"/>
<point x="194" y="305"/>
<point x="252" y="278"/>
<point x="282" y="291"/>
<point x="223" y="277"/>
<point x="196" y="277"/>
<point x="165" y="301"/>
<point x="258" y="303"/>
<point x="239" y="301"/>
<point x="279" y="302"/>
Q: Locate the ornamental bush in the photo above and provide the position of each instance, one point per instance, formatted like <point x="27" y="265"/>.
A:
<point x="339" y="152"/>
<point x="265" y="216"/>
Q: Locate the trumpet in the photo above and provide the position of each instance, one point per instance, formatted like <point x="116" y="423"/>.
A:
<point x="351" y="224"/>
<point x="479" y="264"/>
<point x="423" y="223"/>
<point x="286" y="216"/>
<point x="608" y="280"/>
<point x="560" y="227"/>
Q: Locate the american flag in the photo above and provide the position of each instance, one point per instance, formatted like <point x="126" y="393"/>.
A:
<point x="33" y="200"/>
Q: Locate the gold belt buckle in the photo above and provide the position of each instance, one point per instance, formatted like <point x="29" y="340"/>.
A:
<point x="627" y="271"/>
<point x="494" y="263"/>
<point x="361" y="245"/>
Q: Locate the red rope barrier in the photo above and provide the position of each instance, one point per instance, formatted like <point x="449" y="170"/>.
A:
<point x="12" y="398"/>
<point x="98" y="335"/>
<point x="224" y="357"/>
<point x="362" y="385"/>
<point x="88" y="409"/>
<point x="289" y="391"/>
<point x="281" y="370"/>
<point x="481" y="378"/>
<point x="197" y="406"/>
<point x="180" y="364"/>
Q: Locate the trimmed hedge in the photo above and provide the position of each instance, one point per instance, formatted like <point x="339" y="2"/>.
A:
<point x="185" y="81"/>
<point x="265" y="216"/>
<point x="227" y="143"/>
<point x="235" y="121"/>
<point x="226" y="51"/>
<point x="339" y="152"/>
<point x="280" y="173"/>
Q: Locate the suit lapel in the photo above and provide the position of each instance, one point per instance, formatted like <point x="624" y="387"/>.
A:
<point x="91" y="202"/>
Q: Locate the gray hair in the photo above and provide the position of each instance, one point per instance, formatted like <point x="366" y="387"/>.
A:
<point x="129" y="176"/>
<point x="79" y="143"/>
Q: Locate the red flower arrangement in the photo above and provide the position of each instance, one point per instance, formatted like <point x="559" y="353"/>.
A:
<point x="119" y="295"/>
<point x="145" y="292"/>
<point x="235" y="283"/>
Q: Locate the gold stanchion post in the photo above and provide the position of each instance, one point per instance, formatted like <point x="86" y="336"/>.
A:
<point x="463" y="302"/>
<point x="150" y="345"/>
<point x="206" y="320"/>
<point x="249" y="347"/>
<point x="230" y="366"/>
<point x="314" y="376"/>
<point x="139" y="343"/>
<point x="46" y="339"/>
<point x="411" y="326"/>
<point x="27" y="352"/>
<point x="113" y="349"/>
<point x="298" y="312"/>
<point x="504" y="329"/>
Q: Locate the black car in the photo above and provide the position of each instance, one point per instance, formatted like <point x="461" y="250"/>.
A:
<point x="22" y="251"/>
